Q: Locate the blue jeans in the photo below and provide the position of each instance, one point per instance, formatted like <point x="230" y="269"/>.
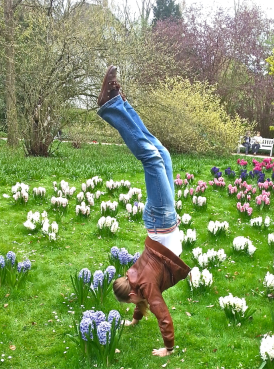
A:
<point x="159" y="212"/>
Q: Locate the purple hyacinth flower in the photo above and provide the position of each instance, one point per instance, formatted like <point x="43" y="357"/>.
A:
<point x="20" y="267"/>
<point x="11" y="256"/>
<point x="2" y="261"/>
<point x="102" y="330"/>
<point x="114" y="252"/>
<point x="129" y="258"/>
<point x="123" y="256"/>
<point x="136" y="257"/>
<point x="114" y="314"/>
<point x="111" y="272"/>
<point x="98" y="278"/>
<point x="136" y="203"/>
<point x="98" y="317"/>
<point x="27" y="265"/>
<point x="85" y="274"/>
<point x="84" y="328"/>
<point x="88" y="314"/>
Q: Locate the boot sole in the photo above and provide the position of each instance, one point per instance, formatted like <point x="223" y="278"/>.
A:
<point x="105" y="83"/>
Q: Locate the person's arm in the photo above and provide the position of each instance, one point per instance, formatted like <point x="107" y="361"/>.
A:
<point x="159" y="308"/>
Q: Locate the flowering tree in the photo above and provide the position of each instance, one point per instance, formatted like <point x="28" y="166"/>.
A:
<point x="229" y="50"/>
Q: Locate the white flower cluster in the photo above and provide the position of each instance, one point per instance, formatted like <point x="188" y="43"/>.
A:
<point x="186" y="218"/>
<point x="217" y="227"/>
<point x="20" y="192"/>
<point x="108" y="207"/>
<point x="126" y="198"/>
<point x="108" y="223"/>
<point x="98" y="194"/>
<point x="88" y="195"/>
<point x="137" y="208"/>
<point x="178" y="205"/>
<point x="270" y="239"/>
<point x="82" y="209"/>
<point x="267" y="348"/>
<point x="64" y="189"/>
<point x="39" y="191"/>
<point x="235" y="304"/>
<point x="269" y="281"/>
<point x="50" y="229"/>
<point x="36" y="220"/>
<point x="258" y="222"/>
<point x="113" y="185"/>
<point x="199" y="200"/>
<point x="91" y="183"/>
<point x="188" y="237"/>
<point x="199" y="279"/>
<point x="241" y="243"/>
<point x="59" y="201"/>
<point x="211" y="257"/>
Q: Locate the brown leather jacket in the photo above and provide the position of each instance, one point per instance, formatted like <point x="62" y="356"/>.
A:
<point x="155" y="271"/>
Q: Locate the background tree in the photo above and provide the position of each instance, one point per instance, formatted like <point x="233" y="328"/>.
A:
<point x="229" y="50"/>
<point x="164" y="9"/>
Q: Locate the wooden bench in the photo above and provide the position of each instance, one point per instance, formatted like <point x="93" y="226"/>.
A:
<point x="266" y="145"/>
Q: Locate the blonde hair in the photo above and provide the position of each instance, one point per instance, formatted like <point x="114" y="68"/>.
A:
<point x="122" y="288"/>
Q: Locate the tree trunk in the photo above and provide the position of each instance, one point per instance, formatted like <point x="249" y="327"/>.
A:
<point x="10" y="94"/>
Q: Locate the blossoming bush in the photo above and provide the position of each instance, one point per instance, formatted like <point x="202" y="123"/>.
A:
<point x="241" y="243"/>
<point x="134" y="194"/>
<point x="199" y="125"/>
<point x="12" y="272"/>
<point x="267" y="351"/>
<point x="81" y="285"/>
<point x="98" y="336"/>
<point x="200" y="280"/>
<point x="235" y="308"/>
<point x="122" y="259"/>
<point x="244" y="209"/>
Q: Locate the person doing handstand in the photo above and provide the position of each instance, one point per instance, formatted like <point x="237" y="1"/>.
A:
<point x="159" y="267"/>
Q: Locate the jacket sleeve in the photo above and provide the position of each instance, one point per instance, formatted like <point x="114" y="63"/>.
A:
<point x="159" y="308"/>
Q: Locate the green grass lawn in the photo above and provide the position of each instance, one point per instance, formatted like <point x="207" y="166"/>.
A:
<point x="35" y="319"/>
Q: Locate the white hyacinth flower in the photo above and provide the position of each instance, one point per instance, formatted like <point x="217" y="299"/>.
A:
<point x="45" y="227"/>
<point x="267" y="221"/>
<point x="269" y="281"/>
<point x="29" y="225"/>
<point x="179" y="194"/>
<point x="52" y="236"/>
<point x="267" y="348"/>
<point x="54" y="227"/>
<point x="186" y="219"/>
<point x="114" y="227"/>
<point x="186" y="192"/>
<point x="270" y="238"/>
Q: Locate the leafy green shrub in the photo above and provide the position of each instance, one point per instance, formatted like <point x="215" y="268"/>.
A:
<point x="190" y="118"/>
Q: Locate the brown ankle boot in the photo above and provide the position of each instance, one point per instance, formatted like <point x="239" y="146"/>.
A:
<point x="110" y="87"/>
